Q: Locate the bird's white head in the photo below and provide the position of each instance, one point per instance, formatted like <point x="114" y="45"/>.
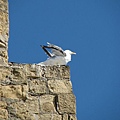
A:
<point x="69" y="52"/>
<point x="68" y="55"/>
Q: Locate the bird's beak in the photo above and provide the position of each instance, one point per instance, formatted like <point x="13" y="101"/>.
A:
<point x="73" y="53"/>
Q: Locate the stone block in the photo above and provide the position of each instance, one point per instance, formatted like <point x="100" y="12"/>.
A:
<point x="3" y="104"/>
<point x="57" y="72"/>
<point x="24" y="110"/>
<point x="50" y="117"/>
<point x="66" y="103"/>
<point x="47" y="104"/>
<point x="60" y="86"/>
<point x="3" y="111"/>
<point x="18" y="75"/>
<point x="14" y="75"/>
<point x="33" y="104"/>
<point x="5" y="72"/>
<point x="24" y="91"/>
<point x="65" y="71"/>
<point x="3" y="53"/>
<point x="3" y="114"/>
<point x="31" y="71"/>
<point x="51" y="72"/>
<point x="34" y="71"/>
<point x="37" y="87"/>
<point x="14" y="91"/>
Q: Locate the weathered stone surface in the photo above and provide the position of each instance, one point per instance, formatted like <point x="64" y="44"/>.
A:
<point x="3" y="53"/>
<point x="9" y="101"/>
<point x="3" y="104"/>
<point x="5" y="72"/>
<point x="20" y="81"/>
<point x="24" y="110"/>
<point x="34" y="71"/>
<point x="18" y="75"/>
<point x="47" y="104"/>
<point x="12" y="76"/>
<point x="60" y="86"/>
<point x="57" y="72"/>
<point x="50" y="117"/>
<point x="65" y="70"/>
<point x="4" y="24"/>
<point x="69" y="117"/>
<point x="33" y="104"/>
<point x="3" y="110"/>
<point x="3" y="114"/>
<point x="14" y="91"/>
<point x="24" y="91"/>
<point x="66" y="103"/>
<point x="37" y="87"/>
<point x="2" y="44"/>
<point x="4" y="30"/>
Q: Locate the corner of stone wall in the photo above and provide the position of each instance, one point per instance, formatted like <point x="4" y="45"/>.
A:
<point x="29" y="91"/>
<point x="32" y="92"/>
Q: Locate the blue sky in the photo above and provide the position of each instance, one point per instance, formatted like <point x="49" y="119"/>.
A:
<point x="91" y="28"/>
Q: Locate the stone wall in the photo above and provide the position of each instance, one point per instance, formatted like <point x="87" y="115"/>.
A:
<point x="4" y="31"/>
<point x="32" y="92"/>
<point x="29" y="91"/>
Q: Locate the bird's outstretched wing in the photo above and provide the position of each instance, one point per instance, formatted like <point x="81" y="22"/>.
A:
<point x="56" y="51"/>
<point x="46" y="51"/>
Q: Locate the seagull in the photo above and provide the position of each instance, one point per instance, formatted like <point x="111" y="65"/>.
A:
<point x="57" y="56"/>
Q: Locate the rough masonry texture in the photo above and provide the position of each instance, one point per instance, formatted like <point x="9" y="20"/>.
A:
<point x="4" y="31"/>
<point x="29" y="91"/>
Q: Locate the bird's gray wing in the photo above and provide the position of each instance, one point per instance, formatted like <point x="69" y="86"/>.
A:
<point x="46" y="51"/>
<point x="56" y="51"/>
